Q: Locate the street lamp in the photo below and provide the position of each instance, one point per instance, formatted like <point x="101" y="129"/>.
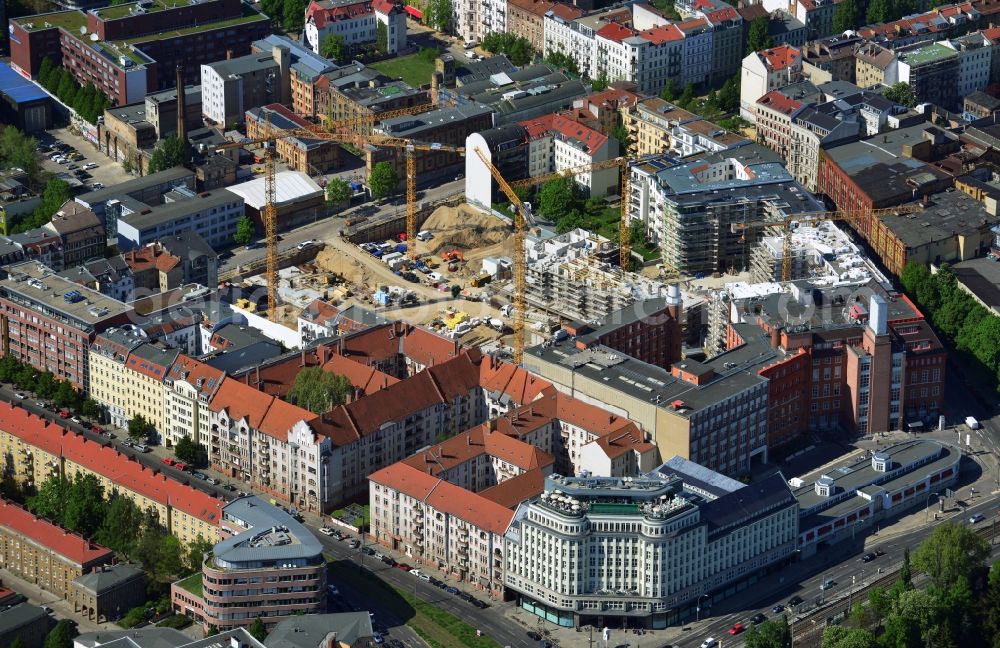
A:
<point x="698" y="608"/>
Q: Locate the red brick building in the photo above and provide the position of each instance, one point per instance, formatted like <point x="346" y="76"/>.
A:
<point x="128" y="51"/>
<point x="49" y="321"/>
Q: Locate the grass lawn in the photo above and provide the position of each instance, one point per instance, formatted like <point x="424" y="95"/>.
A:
<point x="440" y="629"/>
<point x="192" y="584"/>
<point x="414" y="69"/>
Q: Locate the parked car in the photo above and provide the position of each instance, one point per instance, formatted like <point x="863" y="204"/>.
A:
<point x="304" y="244"/>
<point x="229" y="487"/>
<point x="354" y="544"/>
<point x="212" y="480"/>
<point x="98" y="185"/>
<point x="180" y="465"/>
<point x="778" y="609"/>
<point x="327" y="531"/>
<point x="141" y="447"/>
<point x="482" y="605"/>
<point x="332" y="589"/>
<point x="19" y="396"/>
<point x="76" y="419"/>
<point x="451" y="590"/>
<point x="403" y="566"/>
<point x="868" y="557"/>
<point x="199" y="475"/>
<point x="64" y="413"/>
<point x="389" y="561"/>
<point x="90" y="165"/>
<point x="168" y="461"/>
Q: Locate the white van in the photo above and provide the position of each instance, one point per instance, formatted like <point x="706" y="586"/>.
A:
<point x="972" y="422"/>
<point x="424" y="235"/>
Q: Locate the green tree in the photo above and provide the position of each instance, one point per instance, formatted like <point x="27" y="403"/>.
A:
<point x="383" y="180"/>
<point x="90" y="408"/>
<point x="563" y="62"/>
<point x="517" y="48"/>
<point x="273" y="9"/>
<point x="139" y="428"/>
<point x="66" y="395"/>
<point x="666" y="7"/>
<point x="334" y="47"/>
<point x="170" y="561"/>
<point x="438" y="15"/>
<point x="170" y="153"/>
<point x="84" y="512"/>
<point x="61" y="635"/>
<point x="245" y="231"/>
<point x="381" y="37"/>
<point x="55" y="195"/>
<point x="669" y="92"/>
<point x="846" y="16"/>
<point x="770" y="634"/>
<point x="900" y="93"/>
<point x="729" y="95"/>
<point x="45" y="72"/>
<point x="20" y="151"/>
<point x="558" y="197"/>
<point x="600" y="83"/>
<point x="9" y="486"/>
<point x="338" y="192"/>
<point x="195" y="555"/>
<point x="841" y="637"/>
<point x="905" y="572"/>
<point x="688" y="96"/>
<point x="758" y="37"/>
<point x="624" y="137"/>
<point x="18" y="643"/>
<point x="293" y="15"/>
<point x="190" y="452"/>
<point x="50" y="502"/>
<point x="319" y="391"/>
<point x="952" y="551"/>
<point x="122" y="525"/>
<point x="879" y="11"/>
<point x="257" y="630"/>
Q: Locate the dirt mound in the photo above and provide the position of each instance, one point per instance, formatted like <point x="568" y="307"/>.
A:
<point x="465" y="228"/>
<point x="350" y="269"/>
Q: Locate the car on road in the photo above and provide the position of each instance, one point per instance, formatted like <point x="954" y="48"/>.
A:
<point x="327" y="531"/>
<point x="421" y="575"/>
<point x="978" y="517"/>
<point x="736" y="629"/>
<point x="353" y="544"/>
<point x="76" y="419"/>
<point x="110" y="435"/>
<point x="90" y="165"/>
<point x="64" y="413"/>
<point x="482" y="605"/>
<point x="868" y="557"/>
<point x="389" y="561"/>
<point x="711" y="642"/>
<point x="41" y="404"/>
<point x="451" y="590"/>
<point x="778" y="609"/>
<point x="304" y="244"/>
<point x="199" y="475"/>
<point x="212" y="480"/>
<point x="19" y="396"/>
<point x="127" y="443"/>
<point x="98" y="185"/>
<point x="368" y="551"/>
<point x="167" y="461"/>
<point x="141" y="447"/>
<point x="757" y="619"/>
<point x="180" y="465"/>
<point x="229" y="487"/>
<point x="795" y="600"/>
<point x="403" y="566"/>
<point x="827" y="584"/>
<point x="377" y="637"/>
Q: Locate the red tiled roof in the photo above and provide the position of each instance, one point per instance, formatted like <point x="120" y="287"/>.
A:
<point x="389" y="340"/>
<point x="536" y="7"/>
<point x="663" y="34"/>
<point x="61" y="542"/>
<point x="992" y="34"/>
<point x="722" y="15"/>
<point x="106" y="461"/>
<point x="241" y="402"/>
<point x="445" y="497"/>
<point x="480" y="440"/>
<point x="617" y="444"/>
<point x="320" y="312"/>
<point x="538" y="126"/>
<point x="505" y="378"/>
<point x="569" y="128"/>
<point x="191" y="370"/>
<point x="780" y="57"/>
<point x="385" y="7"/>
<point x="616" y="32"/>
<point x="153" y="256"/>
<point x="566" y="12"/>
<point x="511" y="492"/>
<point x="367" y="379"/>
<point x="777" y="100"/>
<point x="323" y="15"/>
<point x="611" y="98"/>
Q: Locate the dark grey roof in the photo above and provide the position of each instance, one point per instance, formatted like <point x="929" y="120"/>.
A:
<point x="758" y="498"/>
<point x="168" y="212"/>
<point x="103" y="580"/>
<point x="699" y="477"/>
<point x="243" y="65"/>
<point x="189" y="244"/>
<point x="982" y="277"/>
<point x="19" y="616"/>
<point x="947" y="213"/>
<point x="980" y="98"/>
<point x="232" y="360"/>
<point x="271" y="535"/>
<point x="479" y="70"/>
<point x="176" y="175"/>
<point x="112" y="270"/>
<point x="192" y="95"/>
<point x="413" y="126"/>
<point x="362" y="315"/>
<point x="311" y="630"/>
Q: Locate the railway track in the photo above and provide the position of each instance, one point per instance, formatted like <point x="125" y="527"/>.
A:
<point x="807" y="629"/>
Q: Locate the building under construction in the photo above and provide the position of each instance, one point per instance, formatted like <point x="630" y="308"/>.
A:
<point x="575" y="276"/>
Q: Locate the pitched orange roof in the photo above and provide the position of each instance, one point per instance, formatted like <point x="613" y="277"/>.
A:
<point x="445" y="497"/>
<point x="618" y="443"/>
<point x="777" y="100"/>
<point x="566" y="12"/>
<point x="241" y="402"/>
<point x="64" y="543"/>
<point x="521" y="386"/>
<point x="663" y="34"/>
<point x="780" y="57"/>
<point x="108" y="462"/>
<point x="479" y="441"/>
<point x="205" y="378"/>
<point x="616" y="32"/>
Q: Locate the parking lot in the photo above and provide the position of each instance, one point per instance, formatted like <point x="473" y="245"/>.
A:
<point x="106" y="172"/>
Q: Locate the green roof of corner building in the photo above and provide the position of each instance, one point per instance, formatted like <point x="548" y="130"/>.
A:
<point x="928" y="54"/>
<point x="71" y="20"/>
<point x="115" y="12"/>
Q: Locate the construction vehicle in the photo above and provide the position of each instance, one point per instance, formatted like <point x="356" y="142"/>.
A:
<point x="858" y="219"/>
<point x="452" y="255"/>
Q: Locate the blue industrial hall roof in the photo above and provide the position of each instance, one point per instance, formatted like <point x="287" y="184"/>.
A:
<point x="17" y="87"/>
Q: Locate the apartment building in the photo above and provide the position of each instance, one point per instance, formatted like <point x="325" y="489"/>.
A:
<point x="130" y="50"/>
<point x="43" y="554"/>
<point x="270" y="567"/>
<point x="473" y="20"/>
<point x="765" y="71"/>
<point x="126" y="376"/>
<point x="830" y="59"/>
<point x="42" y="449"/>
<point x="935" y="25"/>
<point x="774" y="113"/>
<point x="652" y="557"/>
<point x="320" y="319"/>
<point x="932" y="71"/>
<point x="975" y="61"/>
<point x="874" y="65"/>
<point x="306" y="155"/>
<point x="81" y="236"/>
<point x="358" y="23"/>
<point x="111" y="277"/>
<point x="815" y="15"/>
<point x="603" y="111"/>
<point x="556" y="143"/>
<point x="107" y="593"/>
<point x="464" y="491"/>
<point x="51" y="321"/>
<point x="188" y="389"/>
<point x="689" y="208"/>
<point x="231" y="87"/>
<point x="648" y="58"/>
<point x="527" y="18"/>
<point x="517" y="95"/>
<point x="572" y="31"/>
<point x="305" y="71"/>
<point x="657" y="126"/>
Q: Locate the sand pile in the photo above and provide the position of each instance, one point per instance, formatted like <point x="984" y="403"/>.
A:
<point x="465" y="228"/>
<point x="350" y="269"/>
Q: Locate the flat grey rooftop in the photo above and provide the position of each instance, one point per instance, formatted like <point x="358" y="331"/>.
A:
<point x="271" y="535"/>
<point x="982" y="277"/>
<point x="35" y="283"/>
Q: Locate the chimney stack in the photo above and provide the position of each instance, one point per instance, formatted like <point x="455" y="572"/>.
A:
<point x="181" y="106"/>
